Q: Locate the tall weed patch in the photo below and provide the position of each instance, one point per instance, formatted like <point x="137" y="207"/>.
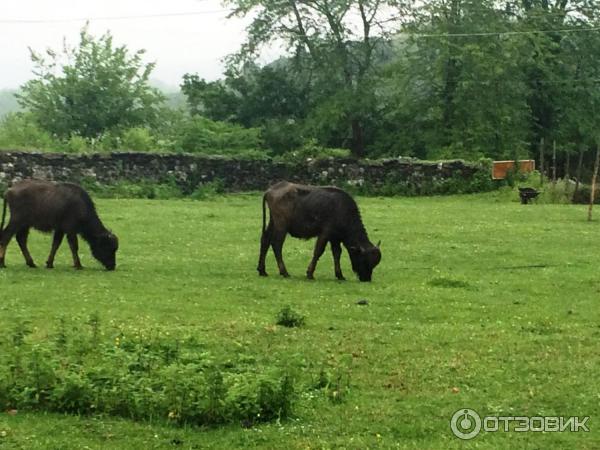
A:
<point x="144" y="376"/>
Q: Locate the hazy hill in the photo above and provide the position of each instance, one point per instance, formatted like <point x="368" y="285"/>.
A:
<point x="174" y="99"/>
<point x="8" y="102"/>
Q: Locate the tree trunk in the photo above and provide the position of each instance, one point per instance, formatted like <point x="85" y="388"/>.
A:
<point x="542" y="161"/>
<point x="579" y="167"/>
<point x="554" y="161"/>
<point x="567" y="172"/>
<point x="358" y="143"/>
<point x="593" y="192"/>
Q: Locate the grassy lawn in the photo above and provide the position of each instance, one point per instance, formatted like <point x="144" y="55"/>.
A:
<point x="477" y="303"/>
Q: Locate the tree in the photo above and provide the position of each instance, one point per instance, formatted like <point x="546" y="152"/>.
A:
<point x="91" y="89"/>
<point x="339" y="38"/>
<point x="250" y="96"/>
<point x="212" y="99"/>
<point x="458" y="88"/>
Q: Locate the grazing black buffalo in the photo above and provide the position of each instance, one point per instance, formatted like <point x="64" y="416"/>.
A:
<point x="63" y="207"/>
<point x="328" y="213"/>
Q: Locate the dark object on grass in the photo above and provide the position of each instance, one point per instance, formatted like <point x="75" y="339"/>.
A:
<point x="527" y="193"/>
<point x="327" y="213"/>
<point x="362" y="302"/>
<point x="63" y="207"/>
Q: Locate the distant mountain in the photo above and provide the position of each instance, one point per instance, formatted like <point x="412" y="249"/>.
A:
<point x="174" y="97"/>
<point x="8" y="102"/>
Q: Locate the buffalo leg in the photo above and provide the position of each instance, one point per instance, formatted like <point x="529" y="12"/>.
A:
<point x="7" y="235"/>
<point x="265" y="242"/>
<point x="56" y="241"/>
<point x="336" y="250"/>
<point x="22" y="241"/>
<point x="319" y="249"/>
<point x="277" y="239"/>
<point x="74" y="245"/>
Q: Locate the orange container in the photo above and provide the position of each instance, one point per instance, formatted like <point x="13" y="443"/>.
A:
<point x="501" y="168"/>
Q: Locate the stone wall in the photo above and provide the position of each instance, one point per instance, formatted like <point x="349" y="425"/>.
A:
<point x="235" y="175"/>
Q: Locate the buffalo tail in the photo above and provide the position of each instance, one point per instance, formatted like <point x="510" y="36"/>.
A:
<point x="3" y="215"/>
<point x="264" y="214"/>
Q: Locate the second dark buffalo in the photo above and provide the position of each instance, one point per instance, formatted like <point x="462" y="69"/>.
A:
<point x="327" y="213"/>
<point x="63" y="207"/>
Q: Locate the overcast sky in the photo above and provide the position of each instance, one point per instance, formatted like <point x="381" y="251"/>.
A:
<point x="192" y="36"/>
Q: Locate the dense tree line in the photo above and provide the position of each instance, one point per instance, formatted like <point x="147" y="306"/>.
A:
<point x="434" y="79"/>
<point x="430" y="79"/>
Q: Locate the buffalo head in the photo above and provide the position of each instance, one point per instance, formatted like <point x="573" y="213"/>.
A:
<point x="364" y="260"/>
<point x="104" y="249"/>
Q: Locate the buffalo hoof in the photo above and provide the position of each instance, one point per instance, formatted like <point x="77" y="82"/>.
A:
<point x="340" y="277"/>
<point x="49" y="265"/>
<point x="285" y="275"/>
<point x="262" y="273"/>
<point x="32" y="265"/>
<point x="78" y="267"/>
<point x="2" y="266"/>
<point x="309" y="276"/>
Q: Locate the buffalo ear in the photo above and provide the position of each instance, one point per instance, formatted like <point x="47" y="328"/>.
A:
<point x="378" y="244"/>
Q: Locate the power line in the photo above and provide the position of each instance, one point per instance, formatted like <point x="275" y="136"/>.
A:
<point x="503" y="33"/>
<point x="144" y="16"/>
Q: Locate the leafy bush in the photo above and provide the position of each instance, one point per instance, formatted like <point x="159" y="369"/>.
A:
<point x="314" y="151"/>
<point x="200" y="135"/>
<point x="137" y="139"/>
<point x="138" y="376"/>
<point x="419" y="184"/>
<point x="19" y="131"/>
<point x="287" y="317"/>
<point x="141" y="189"/>
<point x="281" y="136"/>
<point x="207" y="190"/>
<point x="582" y="196"/>
<point x="76" y="144"/>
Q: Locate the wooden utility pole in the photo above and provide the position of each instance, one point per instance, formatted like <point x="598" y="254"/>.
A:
<point x="594" y="178"/>
<point x="542" y="161"/>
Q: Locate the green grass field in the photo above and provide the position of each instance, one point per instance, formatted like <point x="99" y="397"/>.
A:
<point x="477" y="303"/>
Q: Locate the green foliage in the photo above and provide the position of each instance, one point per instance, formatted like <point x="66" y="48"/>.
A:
<point x="250" y="96"/>
<point x="168" y="189"/>
<point x="287" y="317"/>
<point x="201" y="135"/>
<point x="208" y="190"/>
<point x="141" y="376"/>
<point x="91" y="89"/>
<point x="76" y="144"/>
<point x="137" y="139"/>
<point x="312" y="150"/>
<point x="282" y="136"/>
<point x="418" y="185"/>
<point x="19" y="131"/>
<point x="583" y="195"/>
<point x="339" y="57"/>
